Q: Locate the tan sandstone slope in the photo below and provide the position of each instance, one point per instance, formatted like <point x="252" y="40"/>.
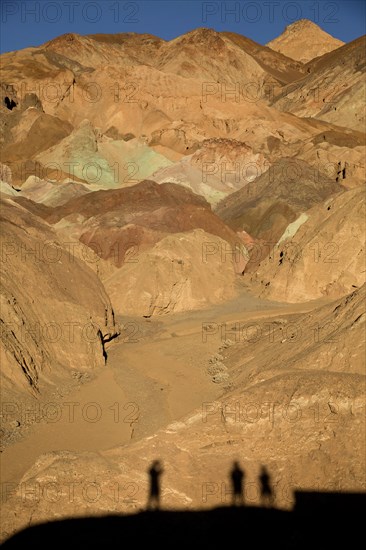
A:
<point x="56" y="315"/>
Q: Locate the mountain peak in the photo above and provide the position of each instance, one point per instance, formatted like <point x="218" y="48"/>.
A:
<point x="201" y="34"/>
<point x="291" y="41"/>
<point x="302" y="24"/>
<point x="202" y="37"/>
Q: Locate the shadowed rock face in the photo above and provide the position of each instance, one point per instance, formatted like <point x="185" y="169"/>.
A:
<point x="56" y="315"/>
<point x="45" y="132"/>
<point x="265" y="207"/>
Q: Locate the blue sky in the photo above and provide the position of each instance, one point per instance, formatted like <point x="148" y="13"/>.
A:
<point x="27" y="23"/>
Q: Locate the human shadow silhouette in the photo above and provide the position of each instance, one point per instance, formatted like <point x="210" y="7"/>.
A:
<point x="237" y="476"/>
<point x="155" y="471"/>
<point x="266" y="490"/>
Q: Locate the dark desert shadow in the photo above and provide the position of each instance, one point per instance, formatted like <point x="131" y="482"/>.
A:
<point x="237" y="476"/>
<point x="266" y="489"/>
<point x="155" y="472"/>
<point x="318" y="520"/>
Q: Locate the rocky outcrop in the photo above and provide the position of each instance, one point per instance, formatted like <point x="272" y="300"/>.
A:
<point x="5" y="174"/>
<point x="323" y="256"/>
<point x="332" y="89"/>
<point x="55" y="313"/>
<point x="182" y="272"/>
